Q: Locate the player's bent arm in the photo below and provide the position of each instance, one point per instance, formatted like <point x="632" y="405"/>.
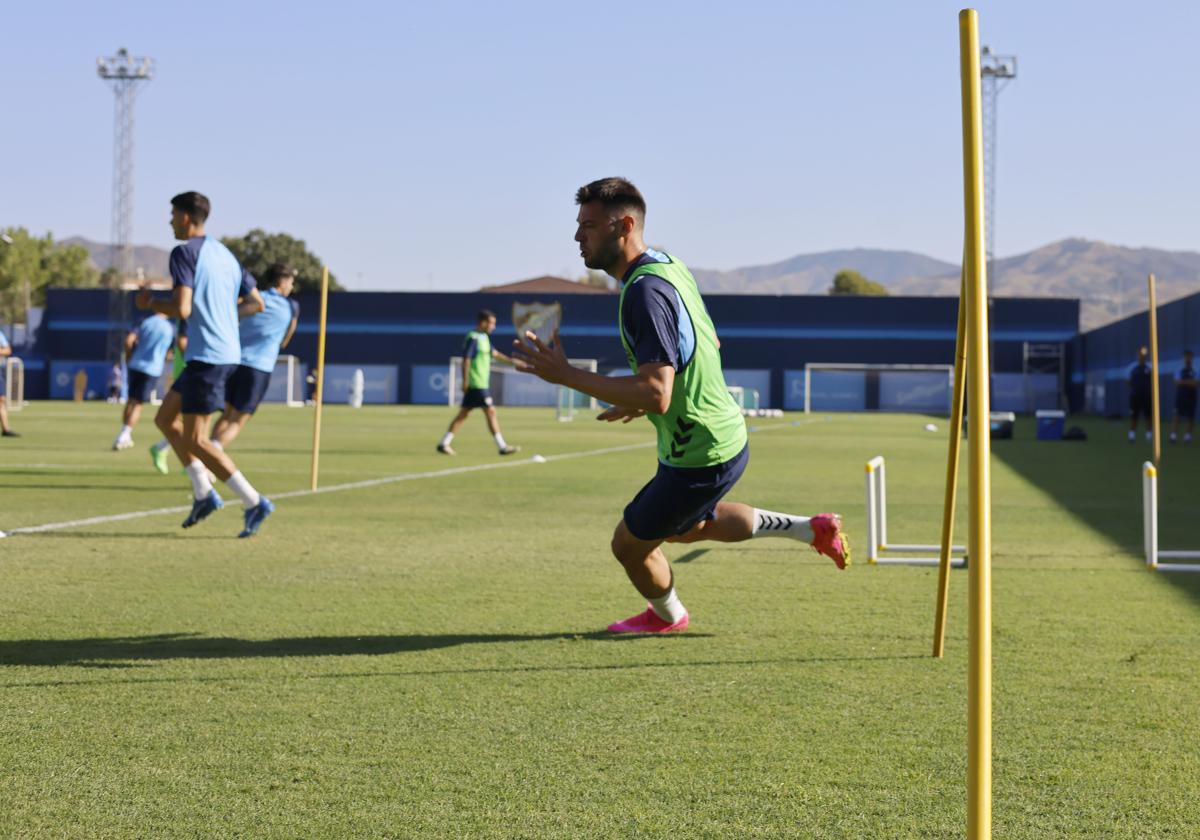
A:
<point x="287" y="337"/>
<point x="130" y="343"/>
<point x="179" y="305"/>
<point x="648" y="390"/>
<point x="251" y="304"/>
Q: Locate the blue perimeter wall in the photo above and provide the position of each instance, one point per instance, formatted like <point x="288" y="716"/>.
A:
<point x="1108" y="353"/>
<point x="761" y="335"/>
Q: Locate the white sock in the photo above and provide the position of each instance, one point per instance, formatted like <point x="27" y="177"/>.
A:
<point x="1132" y="435"/>
<point x="1149" y="435"/>
<point x="238" y="484"/>
<point x="216" y="444"/>
<point x="161" y="445"/>
<point x="500" y="441"/>
<point x="1187" y="438"/>
<point x="446" y="438"/>
<point x="126" y="433"/>
<point x="198" y="473"/>
<point x="768" y="523"/>
<point x="669" y="608"/>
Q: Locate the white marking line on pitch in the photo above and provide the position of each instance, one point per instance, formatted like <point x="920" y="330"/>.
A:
<point x="371" y="482"/>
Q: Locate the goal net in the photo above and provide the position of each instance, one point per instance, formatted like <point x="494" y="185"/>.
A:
<point x="287" y="383"/>
<point x="918" y="389"/>
<point x="509" y="386"/>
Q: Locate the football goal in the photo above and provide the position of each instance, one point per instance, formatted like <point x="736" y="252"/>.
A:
<point x="919" y="389"/>
<point x="287" y="383"/>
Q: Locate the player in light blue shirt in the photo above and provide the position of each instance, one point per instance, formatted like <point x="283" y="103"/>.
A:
<point x="262" y="335"/>
<point x="146" y="350"/>
<point x="5" y="352"/>
<point x="210" y="287"/>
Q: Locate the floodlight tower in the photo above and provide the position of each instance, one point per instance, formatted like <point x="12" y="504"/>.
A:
<point x="996" y="72"/>
<point x="126" y="74"/>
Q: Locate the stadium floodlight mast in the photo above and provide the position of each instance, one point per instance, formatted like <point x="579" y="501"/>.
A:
<point x="995" y="71"/>
<point x="125" y="74"/>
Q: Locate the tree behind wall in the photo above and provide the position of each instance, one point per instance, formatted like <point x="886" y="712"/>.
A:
<point x="848" y="282"/>
<point x="40" y="263"/>
<point x="257" y="250"/>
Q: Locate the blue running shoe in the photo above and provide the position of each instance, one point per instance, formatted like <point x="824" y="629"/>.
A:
<point x="255" y="516"/>
<point x="201" y="508"/>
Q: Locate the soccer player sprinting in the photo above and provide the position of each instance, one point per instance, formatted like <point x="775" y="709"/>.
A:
<point x="262" y="336"/>
<point x="208" y="285"/>
<point x="477" y="370"/>
<point x="678" y="383"/>
<point x="145" y="352"/>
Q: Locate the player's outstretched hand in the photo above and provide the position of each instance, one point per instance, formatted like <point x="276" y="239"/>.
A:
<point x="548" y="363"/>
<point x="620" y="412"/>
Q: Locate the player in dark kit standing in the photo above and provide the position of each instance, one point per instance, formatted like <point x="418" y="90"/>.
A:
<point x="477" y="369"/>
<point x="1140" y="397"/>
<point x="678" y="383"/>
<point x="1185" y="398"/>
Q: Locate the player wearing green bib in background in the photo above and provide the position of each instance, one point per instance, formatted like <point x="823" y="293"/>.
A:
<point x="476" y="371"/>
<point x="677" y="381"/>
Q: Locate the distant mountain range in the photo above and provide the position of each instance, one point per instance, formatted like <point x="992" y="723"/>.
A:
<point x="1110" y="280"/>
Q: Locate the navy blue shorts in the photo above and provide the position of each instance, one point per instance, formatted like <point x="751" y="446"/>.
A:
<point x="678" y="497"/>
<point x="477" y="398"/>
<point x="1140" y="405"/>
<point x="140" y="385"/>
<point x="246" y="387"/>
<point x="202" y="387"/>
<point x="1186" y="408"/>
<point x="3" y="378"/>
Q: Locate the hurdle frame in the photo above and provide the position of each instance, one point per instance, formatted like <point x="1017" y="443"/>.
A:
<point x="14" y="395"/>
<point x="877" y="541"/>
<point x="1150" y="530"/>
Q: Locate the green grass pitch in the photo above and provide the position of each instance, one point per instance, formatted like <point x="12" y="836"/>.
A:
<point x="421" y="658"/>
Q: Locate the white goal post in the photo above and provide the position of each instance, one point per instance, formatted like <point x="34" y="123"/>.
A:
<point x="14" y="383"/>
<point x="291" y="371"/>
<point x="510" y="387"/>
<point x="920" y="389"/>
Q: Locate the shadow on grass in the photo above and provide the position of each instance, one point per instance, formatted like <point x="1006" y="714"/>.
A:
<point x="691" y="555"/>
<point x="394" y="644"/>
<point x="1099" y="482"/>
<point x="133" y="649"/>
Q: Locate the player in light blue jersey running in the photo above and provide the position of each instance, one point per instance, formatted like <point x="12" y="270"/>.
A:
<point x="210" y="286"/>
<point x="263" y="335"/>
<point x="146" y="350"/>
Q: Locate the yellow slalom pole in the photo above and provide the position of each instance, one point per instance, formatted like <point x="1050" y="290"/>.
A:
<point x="1154" y="395"/>
<point x="979" y="543"/>
<point x="956" y="418"/>
<point x="320" y="390"/>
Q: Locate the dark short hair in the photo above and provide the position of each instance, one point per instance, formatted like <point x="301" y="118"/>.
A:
<point x="614" y="194"/>
<point x="484" y="315"/>
<point x="276" y="272"/>
<point x="194" y="204"/>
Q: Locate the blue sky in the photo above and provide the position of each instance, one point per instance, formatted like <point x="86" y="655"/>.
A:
<point x="438" y="145"/>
